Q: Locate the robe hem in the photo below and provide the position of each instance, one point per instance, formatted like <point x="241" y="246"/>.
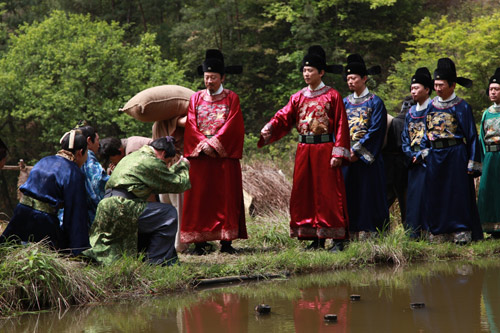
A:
<point x="198" y="237"/>
<point x="310" y="232"/>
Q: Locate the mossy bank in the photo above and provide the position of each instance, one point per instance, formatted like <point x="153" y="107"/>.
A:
<point x="35" y="278"/>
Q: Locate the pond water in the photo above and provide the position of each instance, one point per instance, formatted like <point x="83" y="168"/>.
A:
<point x="457" y="297"/>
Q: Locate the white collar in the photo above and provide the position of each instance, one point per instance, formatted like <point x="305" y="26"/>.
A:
<point x="449" y="99"/>
<point x="496" y="105"/>
<point x="217" y="92"/>
<point x="364" y="93"/>
<point x="424" y="105"/>
<point x="321" y="85"/>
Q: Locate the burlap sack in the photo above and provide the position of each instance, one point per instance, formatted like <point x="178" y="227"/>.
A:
<point x="159" y="103"/>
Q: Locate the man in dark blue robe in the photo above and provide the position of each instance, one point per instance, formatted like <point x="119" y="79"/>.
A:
<point x="413" y="138"/>
<point x="365" y="176"/>
<point x="54" y="182"/>
<point x="453" y="161"/>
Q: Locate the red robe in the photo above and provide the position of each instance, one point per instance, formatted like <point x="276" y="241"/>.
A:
<point x="318" y="207"/>
<point x="213" y="207"/>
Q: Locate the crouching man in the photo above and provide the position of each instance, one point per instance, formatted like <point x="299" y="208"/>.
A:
<point x="55" y="182"/>
<point x="124" y="213"/>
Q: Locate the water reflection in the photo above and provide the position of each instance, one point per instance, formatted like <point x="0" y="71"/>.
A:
<point x="453" y="303"/>
<point x="458" y="297"/>
<point x="222" y="312"/>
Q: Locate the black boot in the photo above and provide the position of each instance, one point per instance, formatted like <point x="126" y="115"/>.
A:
<point x="337" y="246"/>
<point x="202" y="248"/>
<point x="226" y="247"/>
<point x="318" y="243"/>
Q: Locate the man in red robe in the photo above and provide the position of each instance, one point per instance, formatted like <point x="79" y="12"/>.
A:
<point x="318" y="208"/>
<point x="213" y="143"/>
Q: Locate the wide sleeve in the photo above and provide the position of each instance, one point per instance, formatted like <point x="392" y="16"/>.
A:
<point x="228" y="142"/>
<point x="192" y="136"/>
<point x="75" y="224"/>
<point x="96" y="179"/>
<point x="281" y="123"/>
<point x="466" y="122"/>
<point x="405" y="138"/>
<point x="159" y="178"/>
<point x="481" y="136"/>
<point x="370" y="145"/>
<point x="341" y="147"/>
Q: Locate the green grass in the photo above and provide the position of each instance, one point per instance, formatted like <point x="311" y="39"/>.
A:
<point x="34" y="278"/>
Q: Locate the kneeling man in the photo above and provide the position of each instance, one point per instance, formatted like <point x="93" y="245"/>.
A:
<point x="124" y="213"/>
<point x="55" y="182"/>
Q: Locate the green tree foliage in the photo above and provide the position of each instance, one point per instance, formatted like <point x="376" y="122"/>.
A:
<point x="472" y="45"/>
<point x="70" y="67"/>
<point x="269" y="39"/>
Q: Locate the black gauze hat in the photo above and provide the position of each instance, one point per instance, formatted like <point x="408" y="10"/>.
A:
<point x="214" y="62"/>
<point x="446" y="71"/>
<point x="316" y="57"/>
<point x="356" y="65"/>
<point x="495" y="78"/>
<point x="423" y="76"/>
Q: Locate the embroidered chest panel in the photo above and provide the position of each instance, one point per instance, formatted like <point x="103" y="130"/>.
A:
<point x="359" y="120"/>
<point x="313" y="117"/>
<point x="441" y="125"/>
<point x="211" y="117"/>
<point x="416" y="131"/>
<point x="491" y="128"/>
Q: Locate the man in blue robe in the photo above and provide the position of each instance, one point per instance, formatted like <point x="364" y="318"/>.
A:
<point x="413" y="138"/>
<point x="54" y="182"/>
<point x="95" y="175"/>
<point x="453" y="161"/>
<point x="365" y="176"/>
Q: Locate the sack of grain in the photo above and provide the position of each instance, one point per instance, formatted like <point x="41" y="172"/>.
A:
<point x="159" y="103"/>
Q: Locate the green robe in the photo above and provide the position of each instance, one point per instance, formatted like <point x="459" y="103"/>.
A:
<point x="114" y="231"/>
<point x="488" y="202"/>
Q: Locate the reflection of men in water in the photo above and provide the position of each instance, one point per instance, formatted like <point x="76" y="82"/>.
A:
<point x="221" y="312"/>
<point x="396" y="162"/>
<point x="315" y="302"/>
<point x="452" y="300"/>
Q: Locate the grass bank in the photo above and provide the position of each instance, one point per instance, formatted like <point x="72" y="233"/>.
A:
<point x="35" y="278"/>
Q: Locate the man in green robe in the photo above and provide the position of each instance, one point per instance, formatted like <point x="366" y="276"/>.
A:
<point x="124" y="214"/>
<point x="489" y="191"/>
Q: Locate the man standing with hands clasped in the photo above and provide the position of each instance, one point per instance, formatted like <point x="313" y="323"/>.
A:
<point x="365" y="176"/>
<point x="213" y="143"/>
<point x="453" y="161"/>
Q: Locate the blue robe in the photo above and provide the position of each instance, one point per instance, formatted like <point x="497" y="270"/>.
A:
<point x="450" y="203"/>
<point x="365" y="178"/>
<point x="95" y="182"/>
<point x="413" y="146"/>
<point x="59" y="183"/>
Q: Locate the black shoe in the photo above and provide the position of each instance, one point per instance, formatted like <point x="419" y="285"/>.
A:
<point x="338" y="246"/>
<point x="226" y="247"/>
<point x="316" y="244"/>
<point x="202" y="249"/>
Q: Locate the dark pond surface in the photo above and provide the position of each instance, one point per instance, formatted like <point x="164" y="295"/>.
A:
<point x="458" y="297"/>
